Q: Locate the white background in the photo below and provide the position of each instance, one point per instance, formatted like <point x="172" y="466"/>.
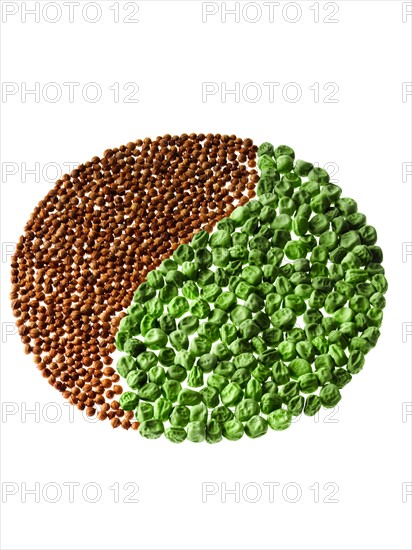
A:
<point x="363" y="449"/>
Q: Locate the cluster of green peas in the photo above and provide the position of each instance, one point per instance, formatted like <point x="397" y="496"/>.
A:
<point x="211" y="344"/>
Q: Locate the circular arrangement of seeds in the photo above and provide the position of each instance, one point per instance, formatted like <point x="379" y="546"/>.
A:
<point x="212" y="340"/>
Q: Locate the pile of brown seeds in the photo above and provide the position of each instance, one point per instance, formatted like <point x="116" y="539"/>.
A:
<point x="94" y="237"/>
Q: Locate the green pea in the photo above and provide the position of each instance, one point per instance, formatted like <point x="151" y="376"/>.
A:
<point x="258" y="344"/>
<point x="207" y="362"/>
<point x="284" y="318"/>
<point x="279" y="419"/>
<point x="162" y="409"/>
<point x="190" y="290"/>
<point x="149" y="392"/>
<point x="239" y="216"/>
<point x="268" y="357"/>
<point x="136" y="379"/>
<point x="211" y="292"/>
<point x="220" y="257"/>
<point x="282" y="222"/>
<point x="371" y="334"/>
<point x="240" y="345"/>
<point x="171" y="389"/>
<point x="261" y="373"/>
<point x="175" y="277"/>
<point x="167" y="323"/>
<point x="312" y="405"/>
<point x="233" y="429"/>
<point x="217" y="381"/>
<point x="213" y="431"/>
<point x="272" y="336"/>
<point x="320" y="343"/>
<point x="221" y="414"/>
<point x="179" y="340"/>
<point x="341" y="377"/>
<point x="358" y="343"/>
<point x="241" y="377"/>
<point x="225" y="368"/>
<point x="144" y="411"/>
<point x="178" y="306"/>
<point x="195" y="379"/>
<point x="270" y="402"/>
<point x="248" y="329"/>
<point x="168" y="292"/>
<point x="295" y="250"/>
<point x="200" y="240"/>
<point x="151" y="429"/>
<point x="368" y="235"/>
<point x="167" y="357"/>
<point x="356" y="361"/>
<point x="200" y="345"/>
<point x="287" y="350"/>
<point x="299" y="367"/>
<point x="308" y="383"/>
<point x="190" y="270"/>
<point x="155" y="279"/>
<point x="196" y="431"/>
<point x="222" y="352"/>
<point x="180" y="416"/>
<point x="185" y="359"/>
<point x="324" y="375"/>
<point x="175" y="434"/>
<point x="210" y="396"/>
<point x="312" y="330"/>
<point x="157" y="375"/>
<point x="155" y="338"/>
<point x="189" y="397"/>
<point x="251" y="226"/>
<point x="177" y="372"/>
<point x="154" y="307"/>
<point x="209" y="330"/>
<point x="133" y="347"/>
<point x="338" y="355"/>
<point x="128" y="401"/>
<point x="266" y="149"/>
<point x="232" y="394"/>
<point x="200" y="308"/>
<point x="189" y="324"/>
<point x="220" y="238"/>
<point x="167" y="265"/>
<point x="245" y="361"/>
<point x="136" y="312"/>
<point x="218" y="317"/>
<point x="296" y="335"/>
<point x="289" y="390"/>
<point x="280" y="373"/>
<point x="125" y="365"/>
<point x="256" y="426"/>
<point x="144" y="293"/>
<point x="375" y="316"/>
<point x="296" y="405"/>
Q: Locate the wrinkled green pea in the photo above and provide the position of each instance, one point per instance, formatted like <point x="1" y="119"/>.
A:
<point x="180" y="416"/>
<point x="144" y="411"/>
<point x="157" y="375"/>
<point x="128" y="401"/>
<point x="196" y="431"/>
<point x="195" y="379"/>
<point x="312" y="405"/>
<point x="155" y="338"/>
<point x="175" y="434"/>
<point x="151" y="429"/>
<point x="279" y="419"/>
<point x="149" y="392"/>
